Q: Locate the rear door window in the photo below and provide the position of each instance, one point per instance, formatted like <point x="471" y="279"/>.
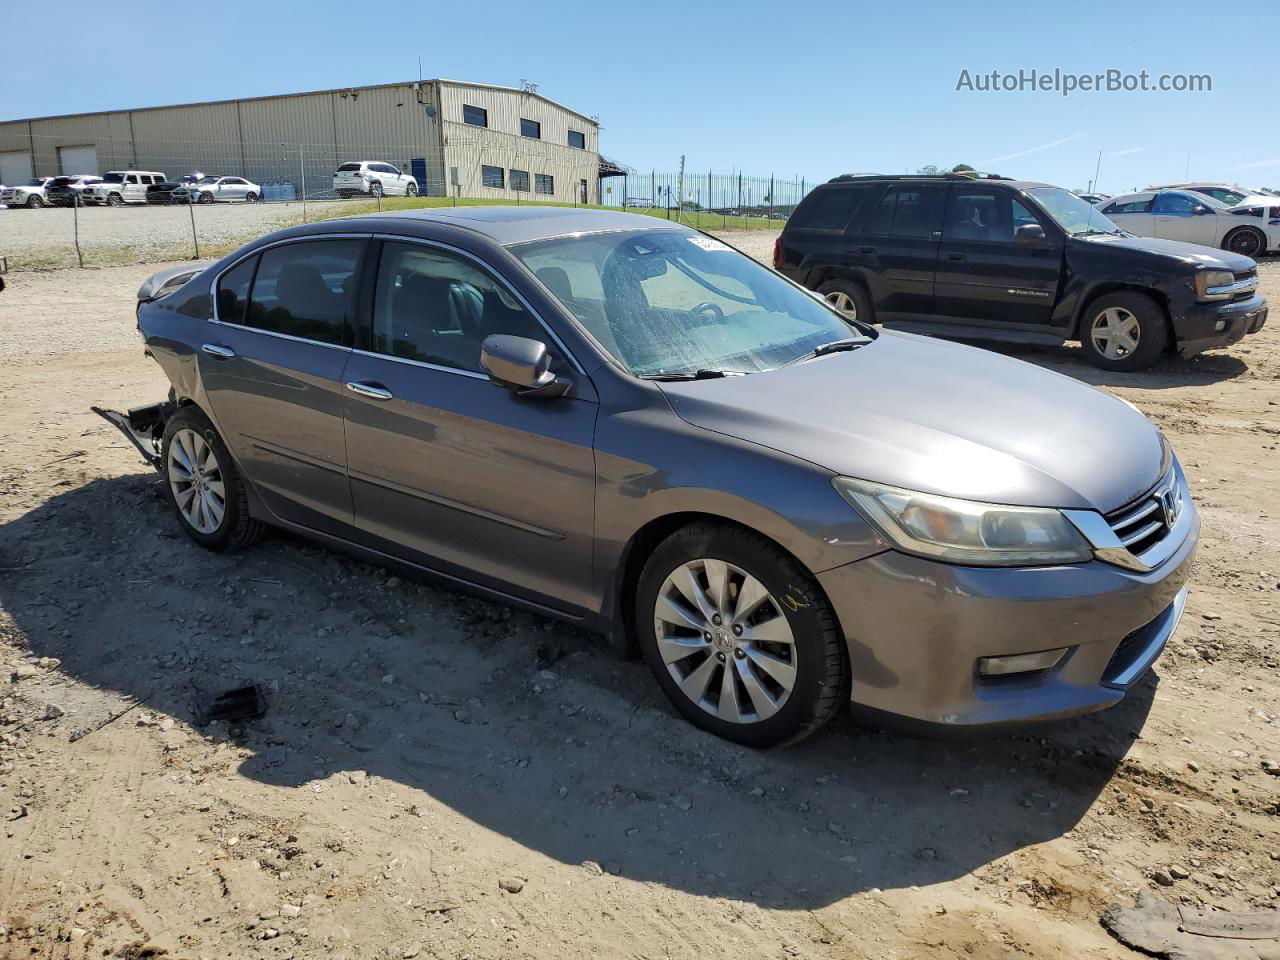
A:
<point x="917" y="214"/>
<point x="233" y="291"/>
<point x="307" y="289"/>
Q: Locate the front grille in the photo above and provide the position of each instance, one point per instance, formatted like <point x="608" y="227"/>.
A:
<point x="1249" y="276"/>
<point x="1144" y="523"/>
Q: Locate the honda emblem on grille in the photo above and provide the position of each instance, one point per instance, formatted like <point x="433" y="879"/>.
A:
<point x="1170" y="503"/>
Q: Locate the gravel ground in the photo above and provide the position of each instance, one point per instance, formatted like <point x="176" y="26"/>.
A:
<point x="420" y="787"/>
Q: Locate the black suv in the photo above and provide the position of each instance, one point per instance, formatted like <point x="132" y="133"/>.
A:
<point x="985" y="257"/>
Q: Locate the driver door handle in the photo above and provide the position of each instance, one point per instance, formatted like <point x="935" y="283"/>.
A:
<point x="374" y="391"/>
<point x="218" y="350"/>
<point x="955" y="256"/>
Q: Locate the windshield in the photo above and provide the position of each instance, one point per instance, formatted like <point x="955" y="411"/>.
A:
<point x="34" y="182"/>
<point x="1072" y="214"/>
<point x="669" y="302"/>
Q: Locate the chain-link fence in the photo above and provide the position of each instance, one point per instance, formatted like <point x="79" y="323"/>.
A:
<point x="120" y="202"/>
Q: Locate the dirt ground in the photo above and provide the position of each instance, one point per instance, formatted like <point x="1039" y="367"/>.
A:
<point x="421" y="787"/>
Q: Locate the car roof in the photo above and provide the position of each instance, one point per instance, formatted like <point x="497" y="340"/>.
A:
<point x="939" y="178"/>
<point x="510" y="225"/>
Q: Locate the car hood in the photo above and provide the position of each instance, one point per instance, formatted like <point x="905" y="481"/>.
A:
<point x="1188" y="253"/>
<point x="940" y="418"/>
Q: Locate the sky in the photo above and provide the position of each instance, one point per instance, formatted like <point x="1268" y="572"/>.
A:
<point x="813" y="89"/>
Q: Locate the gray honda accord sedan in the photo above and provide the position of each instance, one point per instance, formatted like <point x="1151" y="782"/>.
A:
<point x="627" y="424"/>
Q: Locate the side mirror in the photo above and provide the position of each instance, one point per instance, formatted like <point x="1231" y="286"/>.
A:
<point x="522" y="366"/>
<point x="1031" y="234"/>
<point x="1201" y="210"/>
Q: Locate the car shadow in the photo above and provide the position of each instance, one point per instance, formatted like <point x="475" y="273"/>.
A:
<point x="1172" y="371"/>
<point x="437" y="691"/>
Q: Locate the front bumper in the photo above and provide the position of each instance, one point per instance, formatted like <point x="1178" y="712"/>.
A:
<point x="916" y="628"/>
<point x="1205" y="325"/>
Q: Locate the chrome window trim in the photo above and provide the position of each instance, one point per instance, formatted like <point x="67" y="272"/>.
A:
<point x="498" y="277"/>
<point x="373" y="354"/>
<point x="279" y="336"/>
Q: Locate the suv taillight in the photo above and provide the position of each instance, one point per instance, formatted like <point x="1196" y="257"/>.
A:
<point x="777" y="253"/>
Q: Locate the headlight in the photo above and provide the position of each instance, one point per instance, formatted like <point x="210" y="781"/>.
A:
<point x="1214" y="284"/>
<point x="965" y="531"/>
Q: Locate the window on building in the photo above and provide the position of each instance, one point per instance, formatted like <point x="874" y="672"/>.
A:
<point x="577" y="139"/>
<point x="520" y="180"/>
<point x="544" y="183"/>
<point x="476" y="116"/>
<point x="305" y="289"/>
<point x="491" y="177"/>
<point x="530" y="128"/>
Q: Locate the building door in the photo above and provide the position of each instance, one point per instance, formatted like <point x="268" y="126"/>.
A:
<point x="15" y="168"/>
<point x="74" y="160"/>
<point x="418" y="170"/>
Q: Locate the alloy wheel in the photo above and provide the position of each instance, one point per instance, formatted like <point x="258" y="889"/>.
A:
<point x="844" y="303"/>
<point x="1246" y="243"/>
<point x="195" y="478"/>
<point x="1115" y="333"/>
<point x="725" y="641"/>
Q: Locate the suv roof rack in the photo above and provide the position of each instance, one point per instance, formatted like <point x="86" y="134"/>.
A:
<point x="964" y="175"/>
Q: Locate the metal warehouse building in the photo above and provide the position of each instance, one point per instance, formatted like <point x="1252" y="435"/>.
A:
<point x="457" y="139"/>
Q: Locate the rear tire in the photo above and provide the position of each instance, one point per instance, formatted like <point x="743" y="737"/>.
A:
<point x="775" y="659"/>
<point x="203" y="484"/>
<point x="1246" y="241"/>
<point x="850" y="299"/>
<point x="1123" y="331"/>
<point x="375" y="189"/>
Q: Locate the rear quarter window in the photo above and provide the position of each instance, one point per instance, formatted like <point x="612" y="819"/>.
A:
<point x="827" y="208"/>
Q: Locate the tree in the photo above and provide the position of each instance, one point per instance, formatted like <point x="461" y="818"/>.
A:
<point x="962" y="168"/>
<point x="929" y="170"/>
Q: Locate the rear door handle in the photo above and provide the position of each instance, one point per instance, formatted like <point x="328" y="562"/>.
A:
<point x="955" y="256"/>
<point x="218" y="350"/>
<point x="866" y="249"/>
<point x="374" y="391"/>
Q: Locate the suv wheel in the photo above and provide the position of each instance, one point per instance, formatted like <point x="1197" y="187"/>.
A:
<point x="1246" y="241"/>
<point x="34" y="201"/>
<point x="203" y="484"/>
<point x="411" y="189"/>
<point x="849" y="298"/>
<point x="739" y="636"/>
<point x="115" y="200"/>
<point x="375" y="188"/>
<point x="1123" y="331"/>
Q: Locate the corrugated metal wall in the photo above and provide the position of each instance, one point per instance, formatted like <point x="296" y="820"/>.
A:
<point x="301" y="137"/>
<point x="500" y="144"/>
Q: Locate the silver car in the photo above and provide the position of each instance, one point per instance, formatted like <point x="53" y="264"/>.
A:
<point x="629" y="425"/>
<point x="218" y="190"/>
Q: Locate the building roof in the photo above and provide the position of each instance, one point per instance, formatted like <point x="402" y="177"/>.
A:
<point x="310" y="93"/>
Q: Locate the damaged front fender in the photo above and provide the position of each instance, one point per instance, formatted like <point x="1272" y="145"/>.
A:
<point x="142" y="426"/>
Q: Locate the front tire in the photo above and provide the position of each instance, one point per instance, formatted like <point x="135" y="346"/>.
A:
<point x="206" y="198"/>
<point x="1246" y="241"/>
<point x="411" y="189"/>
<point x="115" y="200"/>
<point x="1123" y="331"/>
<point x="250" y="197"/>
<point x="849" y="299"/>
<point x="203" y="484"/>
<point x="34" y="202"/>
<point x="739" y="636"/>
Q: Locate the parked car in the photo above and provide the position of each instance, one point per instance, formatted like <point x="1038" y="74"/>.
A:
<point x="373" y="178"/>
<point x="1193" y="218"/>
<point x="30" y="194"/>
<point x="999" y="259"/>
<point x="1225" y="194"/>
<point x="218" y="190"/>
<point x="782" y="508"/>
<point x="163" y="191"/>
<point x="119" y="187"/>
<point x="66" y="191"/>
<point x="1094" y="198"/>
